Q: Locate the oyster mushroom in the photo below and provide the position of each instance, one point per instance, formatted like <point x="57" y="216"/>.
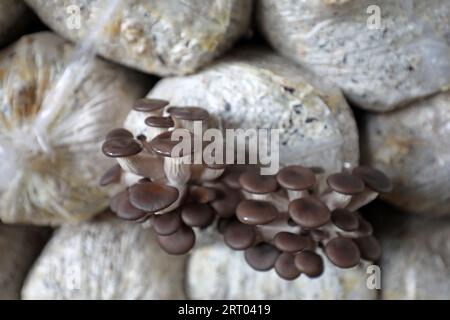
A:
<point x="285" y="267"/>
<point x="309" y="213"/>
<point x="128" y="153"/>
<point x="153" y="197"/>
<point x="256" y="212"/>
<point x="142" y="109"/>
<point x="239" y="236"/>
<point x="309" y="263"/>
<point x="157" y="125"/>
<point x="179" y="242"/>
<point x="197" y="215"/>
<point x="343" y="187"/>
<point x="297" y="180"/>
<point x="262" y="187"/>
<point x="112" y="175"/>
<point x="202" y="194"/>
<point x="189" y="117"/>
<point x="375" y="182"/>
<point x="167" y="224"/>
<point x="290" y="242"/>
<point x="262" y="257"/>
<point x="343" y="252"/>
<point x="176" y="166"/>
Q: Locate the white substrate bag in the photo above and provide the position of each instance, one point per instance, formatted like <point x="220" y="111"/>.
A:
<point x="53" y="116"/>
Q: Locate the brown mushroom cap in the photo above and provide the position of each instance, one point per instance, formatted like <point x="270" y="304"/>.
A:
<point x="112" y="175"/>
<point x="179" y="242"/>
<point x="309" y="263"/>
<point x="262" y="257"/>
<point x="369" y="247"/>
<point x="226" y="201"/>
<point x="126" y="211"/>
<point x="374" y="179"/>
<point x="152" y="196"/>
<point x="239" y="236"/>
<point x="159" y="122"/>
<point x="163" y="145"/>
<point x="203" y="194"/>
<point x="121" y="147"/>
<point x="119" y="133"/>
<point x="255" y="212"/>
<point x="345" y="219"/>
<point x="115" y="201"/>
<point x="319" y="235"/>
<point x="197" y="214"/>
<point x="253" y="182"/>
<point x="343" y="252"/>
<point x="149" y="105"/>
<point x="309" y="212"/>
<point x="365" y="228"/>
<point x="345" y="183"/>
<point x="290" y="242"/>
<point x="222" y="224"/>
<point x="285" y="267"/>
<point x="167" y="223"/>
<point x="188" y="113"/>
<point x="296" y="178"/>
<point x="231" y="179"/>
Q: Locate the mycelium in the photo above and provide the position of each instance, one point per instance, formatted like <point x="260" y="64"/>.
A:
<point x="280" y="222"/>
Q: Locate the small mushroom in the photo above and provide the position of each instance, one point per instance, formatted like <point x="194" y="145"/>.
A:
<point x="268" y="232"/>
<point x="342" y="252"/>
<point x="189" y="117"/>
<point x="262" y="187"/>
<point x="178" y="243"/>
<point x="297" y="180"/>
<point x="290" y="242"/>
<point x="285" y="267"/>
<point x="369" y="247"/>
<point x="226" y="200"/>
<point x="118" y="133"/>
<point x="375" y="182"/>
<point x="128" y="153"/>
<point x="239" y="236"/>
<point x="157" y="125"/>
<point x="256" y="212"/>
<point x="345" y="220"/>
<point x="262" y="257"/>
<point x="167" y="224"/>
<point x="153" y="197"/>
<point x="197" y="215"/>
<point x="309" y="263"/>
<point x="309" y="213"/>
<point x="143" y="109"/>
<point x="176" y="165"/>
<point x="202" y="194"/>
<point x="343" y="187"/>
<point x="126" y="211"/>
<point x="112" y="175"/>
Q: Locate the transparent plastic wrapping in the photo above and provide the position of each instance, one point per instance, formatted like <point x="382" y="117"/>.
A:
<point x="56" y="105"/>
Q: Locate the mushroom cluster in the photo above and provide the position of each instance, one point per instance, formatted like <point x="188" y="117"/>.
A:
<point x="278" y="221"/>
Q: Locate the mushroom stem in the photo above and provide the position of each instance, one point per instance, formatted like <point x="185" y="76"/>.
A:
<point x="177" y="169"/>
<point x="278" y="199"/>
<point x="361" y="199"/>
<point x="151" y="132"/>
<point x="335" y="200"/>
<point x="266" y="232"/>
<point x="297" y="194"/>
<point x="182" y="191"/>
<point x="210" y="174"/>
<point x="142" y="165"/>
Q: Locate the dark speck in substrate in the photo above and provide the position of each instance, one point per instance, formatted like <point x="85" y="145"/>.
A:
<point x="309" y="120"/>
